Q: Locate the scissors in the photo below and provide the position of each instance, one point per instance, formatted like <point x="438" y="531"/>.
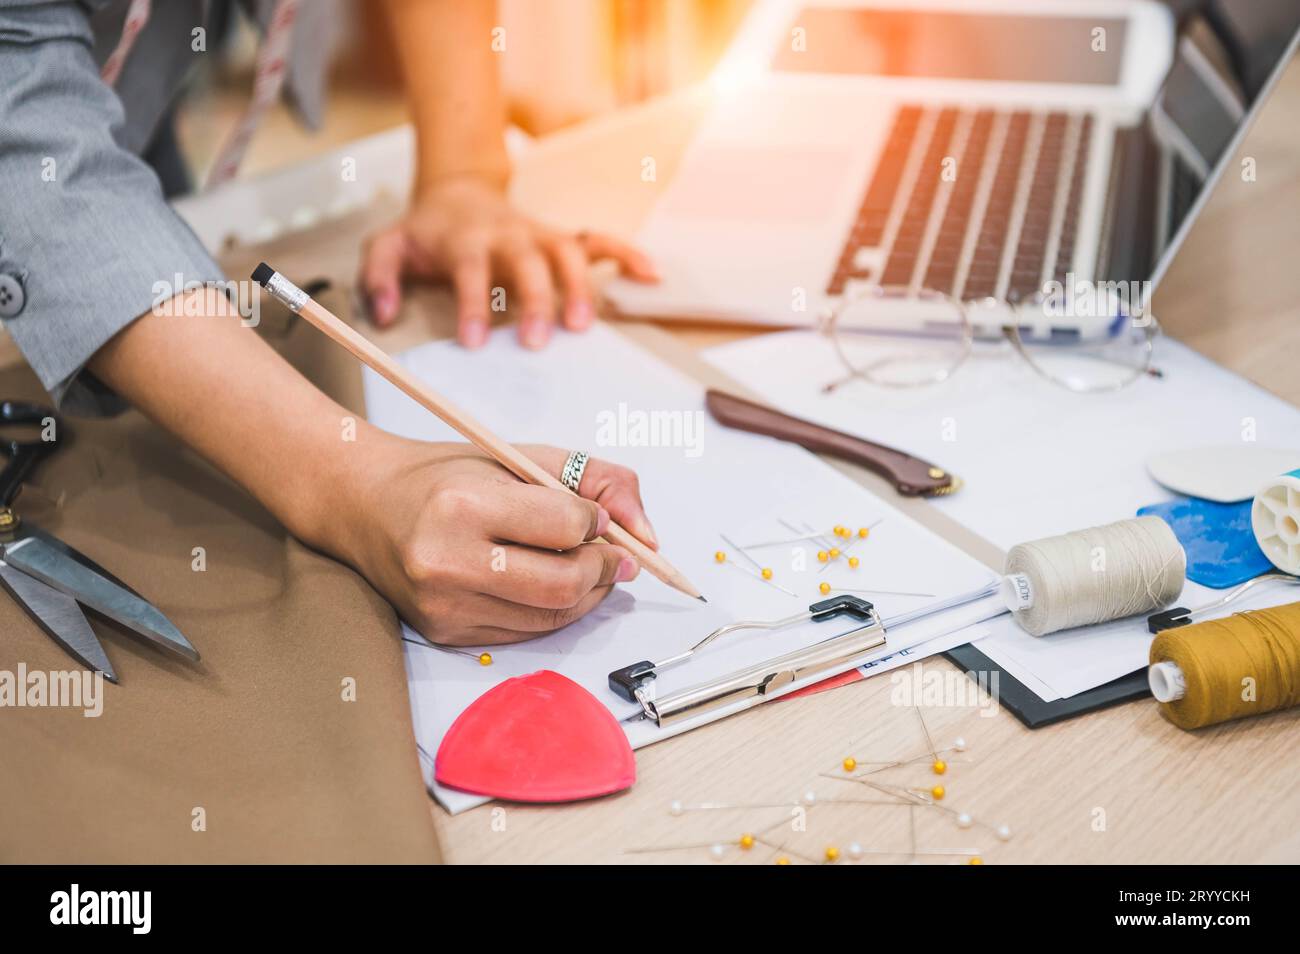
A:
<point x="48" y="578"/>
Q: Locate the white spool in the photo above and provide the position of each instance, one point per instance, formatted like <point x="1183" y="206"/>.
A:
<point x="1168" y="684"/>
<point x="1275" y="520"/>
<point x="1094" y="575"/>
<point x="1017" y="591"/>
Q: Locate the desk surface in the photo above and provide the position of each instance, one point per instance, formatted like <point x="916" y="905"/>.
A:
<point x="1117" y="786"/>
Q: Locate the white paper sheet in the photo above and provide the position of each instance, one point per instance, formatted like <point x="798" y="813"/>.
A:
<point x="1036" y="459"/>
<point x="588" y="391"/>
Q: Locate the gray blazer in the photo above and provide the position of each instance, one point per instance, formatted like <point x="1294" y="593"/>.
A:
<point x="85" y="234"/>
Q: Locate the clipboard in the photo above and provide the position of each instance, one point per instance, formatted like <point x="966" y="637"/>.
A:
<point x="1030" y="709"/>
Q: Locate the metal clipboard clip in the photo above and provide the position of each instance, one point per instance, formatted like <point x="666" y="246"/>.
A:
<point x="766" y="678"/>
<point x="633" y="682"/>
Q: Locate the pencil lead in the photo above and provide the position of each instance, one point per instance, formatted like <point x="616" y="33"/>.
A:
<point x="702" y="599"/>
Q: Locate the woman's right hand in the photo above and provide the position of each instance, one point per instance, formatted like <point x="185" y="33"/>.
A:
<point x="470" y="555"/>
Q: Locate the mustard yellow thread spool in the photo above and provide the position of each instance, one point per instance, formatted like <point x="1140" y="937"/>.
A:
<point x="1224" y="669"/>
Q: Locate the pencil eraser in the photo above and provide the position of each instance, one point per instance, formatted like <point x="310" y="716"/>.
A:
<point x="263" y="274"/>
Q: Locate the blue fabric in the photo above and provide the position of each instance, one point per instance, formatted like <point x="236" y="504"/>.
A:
<point x="1221" y="548"/>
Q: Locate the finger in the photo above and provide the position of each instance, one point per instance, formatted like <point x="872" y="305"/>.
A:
<point x="381" y="275"/>
<point x="471" y="276"/>
<point x="632" y="262"/>
<point x="507" y="622"/>
<point x="482" y="620"/>
<point x="616" y="488"/>
<point x="549" y="580"/>
<point x="532" y="281"/>
<point x="570" y="262"/>
<point x="543" y="517"/>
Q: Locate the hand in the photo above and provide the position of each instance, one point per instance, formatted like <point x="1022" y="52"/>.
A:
<point x="463" y="229"/>
<point x="470" y="555"/>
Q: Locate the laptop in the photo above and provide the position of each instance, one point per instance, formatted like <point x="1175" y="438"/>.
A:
<point x="1000" y="152"/>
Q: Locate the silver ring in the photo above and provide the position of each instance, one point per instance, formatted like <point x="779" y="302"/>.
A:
<point x="571" y="475"/>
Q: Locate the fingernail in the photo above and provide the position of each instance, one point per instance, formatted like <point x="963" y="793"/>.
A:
<point x="385" y="305"/>
<point x="602" y="521"/>
<point x="648" y="533"/>
<point x="627" y="569"/>
<point x="474" y="333"/>
<point x="534" y="331"/>
<point x="580" y="316"/>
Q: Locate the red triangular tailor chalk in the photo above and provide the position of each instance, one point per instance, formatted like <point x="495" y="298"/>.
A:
<point x="536" y="738"/>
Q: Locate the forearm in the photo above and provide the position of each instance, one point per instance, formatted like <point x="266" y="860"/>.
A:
<point x="423" y="523"/>
<point x="453" y="86"/>
<point x="223" y="391"/>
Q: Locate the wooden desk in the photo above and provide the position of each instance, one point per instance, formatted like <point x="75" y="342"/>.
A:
<point x="1117" y="786"/>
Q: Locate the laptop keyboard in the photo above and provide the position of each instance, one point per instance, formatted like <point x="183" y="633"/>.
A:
<point x="975" y="203"/>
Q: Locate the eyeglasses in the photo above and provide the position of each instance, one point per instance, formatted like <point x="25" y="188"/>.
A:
<point x="898" y="337"/>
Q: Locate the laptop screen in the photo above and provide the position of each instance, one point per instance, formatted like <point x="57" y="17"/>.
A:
<point x="978" y="46"/>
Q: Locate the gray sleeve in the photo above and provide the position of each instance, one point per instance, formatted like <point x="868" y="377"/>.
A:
<point x="87" y="242"/>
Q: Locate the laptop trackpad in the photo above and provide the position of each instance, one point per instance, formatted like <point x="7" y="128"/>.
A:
<point x="763" y="184"/>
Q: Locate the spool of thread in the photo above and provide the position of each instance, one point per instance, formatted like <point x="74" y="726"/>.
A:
<point x="1275" y="519"/>
<point x="1094" y="575"/>
<point x="1223" y="669"/>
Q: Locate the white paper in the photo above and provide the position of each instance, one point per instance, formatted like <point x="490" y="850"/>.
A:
<point x="1036" y="460"/>
<point x="587" y="391"/>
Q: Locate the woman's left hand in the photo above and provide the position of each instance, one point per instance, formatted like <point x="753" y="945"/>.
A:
<point x="465" y="231"/>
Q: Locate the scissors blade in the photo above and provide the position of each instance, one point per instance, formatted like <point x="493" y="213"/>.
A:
<point x="30" y="530"/>
<point x="35" y="555"/>
<point x="61" y="618"/>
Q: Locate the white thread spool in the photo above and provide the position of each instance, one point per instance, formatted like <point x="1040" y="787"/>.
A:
<point x="1094" y="575"/>
<point x="1275" y="520"/>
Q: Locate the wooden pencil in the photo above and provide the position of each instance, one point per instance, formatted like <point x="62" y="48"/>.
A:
<point x="504" y="453"/>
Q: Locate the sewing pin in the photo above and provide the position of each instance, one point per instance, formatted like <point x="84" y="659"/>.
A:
<point x="788" y="540"/>
<point x="857" y="801"/>
<point x="882" y="766"/>
<point x="820" y="537"/>
<point x="762" y="574"/>
<point x="848" y="589"/>
<point x="936" y="793"/>
<point x="741" y="550"/>
<point x="483" y="658"/>
<point x="965" y="820"/>
<point x="939" y="767"/>
<point x="676" y="808"/>
<point x="651" y="849"/>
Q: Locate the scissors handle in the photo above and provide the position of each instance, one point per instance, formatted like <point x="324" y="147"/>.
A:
<point x="24" y="455"/>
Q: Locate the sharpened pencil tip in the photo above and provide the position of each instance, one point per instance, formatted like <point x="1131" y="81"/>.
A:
<point x="702" y="599"/>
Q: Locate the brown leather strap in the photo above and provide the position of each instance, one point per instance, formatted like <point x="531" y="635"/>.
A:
<point x="910" y="475"/>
